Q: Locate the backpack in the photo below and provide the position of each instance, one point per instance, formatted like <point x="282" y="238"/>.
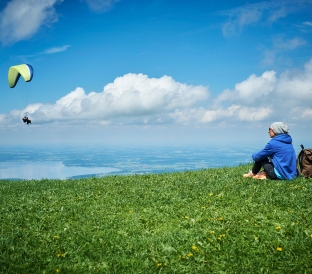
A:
<point x="304" y="162"/>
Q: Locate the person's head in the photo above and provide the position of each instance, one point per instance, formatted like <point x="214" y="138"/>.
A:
<point x="278" y="128"/>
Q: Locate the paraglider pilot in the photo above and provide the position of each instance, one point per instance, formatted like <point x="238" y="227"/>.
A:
<point x="26" y="120"/>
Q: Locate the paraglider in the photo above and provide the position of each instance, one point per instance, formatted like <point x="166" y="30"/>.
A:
<point x="15" y="72"/>
<point x="26" y="120"/>
<point x="24" y="70"/>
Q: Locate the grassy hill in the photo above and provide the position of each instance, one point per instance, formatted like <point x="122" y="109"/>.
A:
<point x="207" y="221"/>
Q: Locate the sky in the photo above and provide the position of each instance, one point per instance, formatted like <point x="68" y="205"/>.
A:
<point x="155" y="71"/>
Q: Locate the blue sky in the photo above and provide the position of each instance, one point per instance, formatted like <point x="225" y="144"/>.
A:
<point x="130" y="71"/>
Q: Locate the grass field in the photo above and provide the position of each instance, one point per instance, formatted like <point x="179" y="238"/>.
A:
<point x="207" y="221"/>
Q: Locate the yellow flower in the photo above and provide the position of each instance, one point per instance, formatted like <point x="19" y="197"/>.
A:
<point x="279" y="249"/>
<point x="220" y="219"/>
<point x="311" y="236"/>
<point x="221" y="236"/>
<point x="130" y="211"/>
<point x="278" y="227"/>
<point x="56" y="237"/>
<point x="57" y="270"/>
<point x="159" y="264"/>
<point x="189" y="255"/>
<point x="212" y="232"/>
<point x="194" y="247"/>
<point x="186" y="217"/>
<point x="210" y="194"/>
<point x="203" y="207"/>
<point x="61" y="255"/>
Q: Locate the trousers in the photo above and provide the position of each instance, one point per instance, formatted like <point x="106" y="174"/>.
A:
<point x="267" y="166"/>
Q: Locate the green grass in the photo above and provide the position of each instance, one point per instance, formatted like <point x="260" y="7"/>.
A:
<point x="207" y="221"/>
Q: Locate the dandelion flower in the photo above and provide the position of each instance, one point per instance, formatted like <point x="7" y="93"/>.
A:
<point x="210" y="194"/>
<point x="57" y="270"/>
<point x="221" y="236"/>
<point x="311" y="236"/>
<point x="279" y="249"/>
<point x="278" y="227"/>
<point x="220" y="219"/>
<point x="159" y="264"/>
<point x="212" y="232"/>
<point x="56" y="237"/>
<point x="194" y="247"/>
<point x="189" y="255"/>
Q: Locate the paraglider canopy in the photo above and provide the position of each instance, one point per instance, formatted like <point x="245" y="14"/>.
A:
<point x="24" y="70"/>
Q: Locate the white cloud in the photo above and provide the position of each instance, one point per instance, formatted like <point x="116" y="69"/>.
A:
<point x="281" y="45"/>
<point x="307" y="113"/>
<point x="305" y="27"/>
<point x="21" y="19"/>
<point x="55" y="49"/>
<point x="308" y="23"/>
<point x="239" y="18"/>
<point x="295" y="87"/>
<point x="100" y="5"/>
<point x="254" y="90"/>
<point x="265" y="11"/>
<point x="288" y="96"/>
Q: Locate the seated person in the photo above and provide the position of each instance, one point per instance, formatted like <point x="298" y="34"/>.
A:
<point x="277" y="158"/>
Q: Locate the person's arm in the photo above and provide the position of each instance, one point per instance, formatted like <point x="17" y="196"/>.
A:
<point x="264" y="153"/>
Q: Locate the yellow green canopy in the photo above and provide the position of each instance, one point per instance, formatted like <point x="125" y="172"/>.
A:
<point x="24" y="70"/>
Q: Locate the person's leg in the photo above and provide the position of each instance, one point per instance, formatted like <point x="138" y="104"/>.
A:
<point x="256" y="167"/>
<point x="269" y="170"/>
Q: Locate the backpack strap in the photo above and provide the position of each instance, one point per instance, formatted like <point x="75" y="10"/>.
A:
<point x="299" y="161"/>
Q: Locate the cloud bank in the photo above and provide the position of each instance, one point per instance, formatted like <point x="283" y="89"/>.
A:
<point x="138" y="99"/>
<point x="132" y="98"/>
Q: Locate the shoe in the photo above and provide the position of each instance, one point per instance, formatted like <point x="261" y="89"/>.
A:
<point x="249" y="174"/>
<point x="260" y="176"/>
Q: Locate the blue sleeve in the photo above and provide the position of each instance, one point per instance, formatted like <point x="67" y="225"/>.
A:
<point x="264" y="153"/>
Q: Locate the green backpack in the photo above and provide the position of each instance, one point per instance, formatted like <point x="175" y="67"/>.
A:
<point x="304" y="162"/>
